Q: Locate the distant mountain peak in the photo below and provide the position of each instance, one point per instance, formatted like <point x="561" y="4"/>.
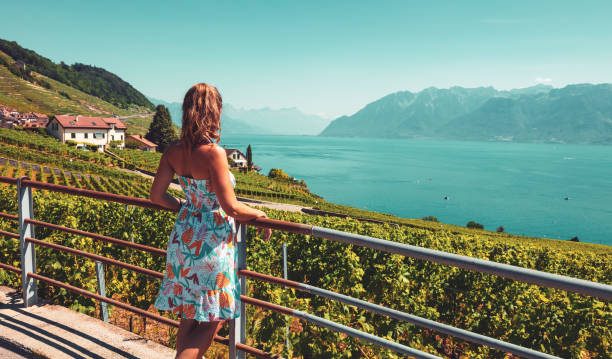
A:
<point x="580" y="113"/>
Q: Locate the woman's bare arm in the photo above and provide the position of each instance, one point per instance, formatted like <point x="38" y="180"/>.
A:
<point x="222" y="184"/>
<point x="162" y="180"/>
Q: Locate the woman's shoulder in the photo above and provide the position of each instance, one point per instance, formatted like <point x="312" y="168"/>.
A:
<point x="173" y="149"/>
<point x="210" y="150"/>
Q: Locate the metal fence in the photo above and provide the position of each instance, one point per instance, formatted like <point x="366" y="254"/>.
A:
<point x="237" y="339"/>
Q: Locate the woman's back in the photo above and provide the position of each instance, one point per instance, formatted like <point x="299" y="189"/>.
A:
<point x="194" y="163"/>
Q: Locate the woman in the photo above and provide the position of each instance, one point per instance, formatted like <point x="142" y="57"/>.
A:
<point x="200" y="284"/>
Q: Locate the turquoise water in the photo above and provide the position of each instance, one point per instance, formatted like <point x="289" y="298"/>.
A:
<point x="519" y="186"/>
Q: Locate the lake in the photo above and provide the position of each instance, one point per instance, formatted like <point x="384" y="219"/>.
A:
<point x="544" y="190"/>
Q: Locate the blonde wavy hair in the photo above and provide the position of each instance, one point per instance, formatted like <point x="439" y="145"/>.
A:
<point x="201" y="115"/>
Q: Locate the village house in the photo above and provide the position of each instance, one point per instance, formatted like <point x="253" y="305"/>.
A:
<point x="10" y="118"/>
<point x="142" y="143"/>
<point x="238" y="157"/>
<point x="240" y="160"/>
<point x="96" y="131"/>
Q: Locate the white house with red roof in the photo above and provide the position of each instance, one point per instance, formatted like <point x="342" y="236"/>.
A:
<point x="142" y="143"/>
<point x="97" y="131"/>
<point x="238" y="157"/>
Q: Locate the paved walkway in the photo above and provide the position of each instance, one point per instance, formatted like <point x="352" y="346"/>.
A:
<point x="10" y="350"/>
<point x="52" y="331"/>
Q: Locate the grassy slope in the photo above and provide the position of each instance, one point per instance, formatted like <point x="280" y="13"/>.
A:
<point x="25" y="96"/>
<point x="138" y="125"/>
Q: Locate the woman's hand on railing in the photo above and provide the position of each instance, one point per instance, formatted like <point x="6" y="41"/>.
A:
<point x="266" y="232"/>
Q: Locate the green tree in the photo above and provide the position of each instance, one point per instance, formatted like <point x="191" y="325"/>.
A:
<point x="161" y="131"/>
<point x="249" y="158"/>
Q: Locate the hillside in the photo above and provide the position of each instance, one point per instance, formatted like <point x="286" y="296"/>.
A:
<point x="88" y="79"/>
<point x="579" y="114"/>
<point x="55" y="98"/>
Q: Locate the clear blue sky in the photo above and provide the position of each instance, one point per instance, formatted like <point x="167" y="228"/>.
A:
<point x="327" y="57"/>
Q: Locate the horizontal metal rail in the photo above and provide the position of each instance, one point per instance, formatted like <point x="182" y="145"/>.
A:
<point x="339" y="328"/>
<point x="131" y="267"/>
<point x="9" y="180"/>
<point x="9" y="234"/>
<point x="284" y="226"/>
<point x="10" y="268"/>
<point x="91" y="194"/>
<point x="96" y="236"/>
<point x="545" y="279"/>
<point x="12" y="217"/>
<point x="395" y="314"/>
<point x="144" y="313"/>
<point x="527" y="275"/>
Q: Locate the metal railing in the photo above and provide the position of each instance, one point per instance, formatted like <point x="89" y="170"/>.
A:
<point x="237" y="338"/>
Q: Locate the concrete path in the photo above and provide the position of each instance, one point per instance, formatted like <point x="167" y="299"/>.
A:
<point x="52" y="331"/>
<point x="10" y="350"/>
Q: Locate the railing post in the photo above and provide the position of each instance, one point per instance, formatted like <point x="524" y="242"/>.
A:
<point x="287" y="344"/>
<point x="237" y="328"/>
<point x="28" y="255"/>
<point x="102" y="290"/>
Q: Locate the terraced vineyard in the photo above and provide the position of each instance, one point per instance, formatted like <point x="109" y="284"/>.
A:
<point x="44" y="143"/>
<point x="14" y="168"/>
<point x="255" y="185"/>
<point x="45" y="159"/>
<point x="141" y="159"/>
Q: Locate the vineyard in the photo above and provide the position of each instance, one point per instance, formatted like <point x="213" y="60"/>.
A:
<point x="141" y="159"/>
<point x="50" y="145"/>
<point x="554" y="321"/>
<point x="13" y="168"/>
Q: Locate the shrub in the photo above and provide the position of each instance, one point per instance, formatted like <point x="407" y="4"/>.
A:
<point x="500" y="229"/>
<point x="131" y="145"/>
<point x="430" y="219"/>
<point x="71" y="143"/>
<point x="474" y="225"/>
<point x="115" y="144"/>
<point x="278" y="173"/>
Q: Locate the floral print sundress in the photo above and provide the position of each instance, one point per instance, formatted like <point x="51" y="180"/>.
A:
<point x="201" y="281"/>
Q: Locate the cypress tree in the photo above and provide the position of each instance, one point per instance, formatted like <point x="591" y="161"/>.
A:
<point x="161" y="132"/>
<point x="249" y="158"/>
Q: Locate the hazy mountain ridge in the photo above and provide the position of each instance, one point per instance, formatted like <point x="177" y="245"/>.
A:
<point x="284" y="121"/>
<point x="265" y="121"/>
<point x="573" y="114"/>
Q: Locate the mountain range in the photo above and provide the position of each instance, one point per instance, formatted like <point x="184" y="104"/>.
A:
<point x="579" y="113"/>
<point x="264" y="121"/>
